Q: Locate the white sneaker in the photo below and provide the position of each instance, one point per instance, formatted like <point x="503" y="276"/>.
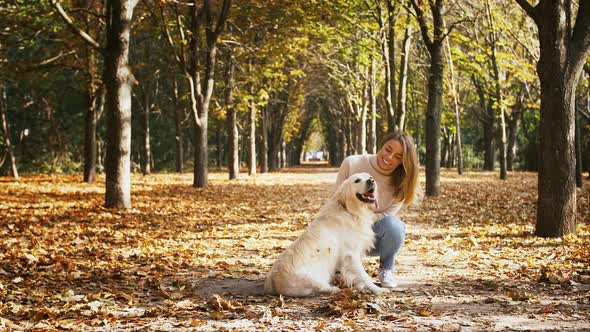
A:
<point x="386" y="278"/>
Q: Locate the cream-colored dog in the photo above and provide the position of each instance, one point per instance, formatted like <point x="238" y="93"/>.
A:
<point x="335" y="241"/>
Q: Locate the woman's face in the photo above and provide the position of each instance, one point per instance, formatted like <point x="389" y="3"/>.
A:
<point x="391" y="155"/>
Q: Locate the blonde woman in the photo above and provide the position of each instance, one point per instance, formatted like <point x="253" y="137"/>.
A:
<point x="395" y="169"/>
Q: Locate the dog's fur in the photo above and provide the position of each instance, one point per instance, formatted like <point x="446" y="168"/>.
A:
<point x="335" y="241"/>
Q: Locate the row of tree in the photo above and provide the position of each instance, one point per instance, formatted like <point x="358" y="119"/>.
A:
<point x="494" y="81"/>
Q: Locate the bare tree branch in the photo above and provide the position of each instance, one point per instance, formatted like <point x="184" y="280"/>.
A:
<point x="580" y="42"/>
<point x="419" y="13"/>
<point x="74" y="27"/>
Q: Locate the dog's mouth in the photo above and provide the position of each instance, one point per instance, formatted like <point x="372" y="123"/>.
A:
<point x="368" y="197"/>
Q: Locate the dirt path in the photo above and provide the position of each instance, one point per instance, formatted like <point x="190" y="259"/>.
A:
<point x="470" y="262"/>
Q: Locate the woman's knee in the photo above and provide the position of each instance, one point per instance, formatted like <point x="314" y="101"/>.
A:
<point x="393" y="226"/>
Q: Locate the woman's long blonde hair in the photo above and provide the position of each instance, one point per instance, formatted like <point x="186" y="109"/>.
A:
<point x="405" y="178"/>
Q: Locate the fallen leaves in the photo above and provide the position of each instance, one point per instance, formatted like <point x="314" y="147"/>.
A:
<point x="186" y="258"/>
<point x="351" y="303"/>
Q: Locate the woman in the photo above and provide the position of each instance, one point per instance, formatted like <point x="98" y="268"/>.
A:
<point x="395" y="169"/>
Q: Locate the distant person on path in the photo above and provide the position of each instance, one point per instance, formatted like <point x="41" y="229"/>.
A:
<point x="395" y="169"/>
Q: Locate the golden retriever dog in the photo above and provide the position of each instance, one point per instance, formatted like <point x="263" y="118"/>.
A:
<point x="335" y="240"/>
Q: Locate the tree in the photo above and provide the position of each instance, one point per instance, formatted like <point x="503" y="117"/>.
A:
<point x="563" y="52"/>
<point x="118" y="82"/>
<point x="499" y="101"/>
<point x="93" y="92"/>
<point x="456" y="107"/>
<point x="434" y="44"/>
<point x="6" y="132"/>
<point x="232" y="121"/>
<point x="200" y="78"/>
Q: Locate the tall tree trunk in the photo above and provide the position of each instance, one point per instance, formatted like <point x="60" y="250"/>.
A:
<point x="90" y="138"/>
<point x="232" y="123"/>
<point x="362" y="128"/>
<point x="444" y="154"/>
<point x="273" y="156"/>
<point x="387" y="51"/>
<point x="147" y="153"/>
<point x="512" y="134"/>
<point x="391" y="18"/>
<point x="252" y="138"/>
<point x="403" y="80"/>
<point x="343" y="146"/>
<point x="264" y="144"/>
<point x="373" y="109"/>
<point x="203" y="92"/>
<point x="560" y="63"/>
<point x="435" y="91"/>
<point x="118" y="81"/>
<point x="219" y="148"/>
<point x="178" y="118"/>
<point x="499" y="98"/>
<point x="457" y="111"/>
<point x="488" y="121"/>
<point x="513" y="131"/>
<point x="91" y="118"/>
<point x="433" y="118"/>
<point x="6" y="132"/>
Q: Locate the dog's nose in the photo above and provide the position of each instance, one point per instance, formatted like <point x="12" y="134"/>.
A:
<point x="370" y="181"/>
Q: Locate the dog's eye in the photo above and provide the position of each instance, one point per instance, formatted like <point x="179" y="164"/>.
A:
<point x="357" y="181"/>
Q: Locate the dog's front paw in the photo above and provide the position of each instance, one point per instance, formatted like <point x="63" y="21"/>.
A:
<point x="378" y="290"/>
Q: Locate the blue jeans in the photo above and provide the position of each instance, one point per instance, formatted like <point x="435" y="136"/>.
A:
<point x="390" y="233"/>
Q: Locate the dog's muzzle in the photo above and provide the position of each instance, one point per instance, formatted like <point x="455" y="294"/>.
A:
<point x="369" y="196"/>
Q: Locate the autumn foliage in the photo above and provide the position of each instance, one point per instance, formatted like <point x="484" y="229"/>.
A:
<point x="187" y="258"/>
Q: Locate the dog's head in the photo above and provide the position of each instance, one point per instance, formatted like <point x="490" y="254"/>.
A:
<point x="357" y="191"/>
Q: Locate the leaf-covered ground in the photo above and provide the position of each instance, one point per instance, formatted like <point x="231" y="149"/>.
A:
<point x="195" y="259"/>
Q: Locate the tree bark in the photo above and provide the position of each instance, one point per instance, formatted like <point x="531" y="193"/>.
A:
<point x="232" y="123"/>
<point x="578" y="143"/>
<point x="457" y="111"/>
<point x="264" y="143"/>
<point x="147" y="155"/>
<point x="487" y="119"/>
<point x="435" y="91"/>
<point x="499" y="98"/>
<point x="219" y="147"/>
<point x="178" y="119"/>
<point x="560" y="63"/>
<point x="444" y="154"/>
<point x="373" y="109"/>
<point x="3" y="111"/>
<point x="118" y="81"/>
<point x="362" y="128"/>
<point x="515" y="115"/>
<point x="91" y="117"/>
<point x="90" y="137"/>
<point x="387" y="51"/>
<point x="252" y="138"/>
<point x="391" y="18"/>
<point x="403" y="80"/>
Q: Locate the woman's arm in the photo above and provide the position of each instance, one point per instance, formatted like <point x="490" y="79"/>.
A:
<point x="343" y="172"/>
